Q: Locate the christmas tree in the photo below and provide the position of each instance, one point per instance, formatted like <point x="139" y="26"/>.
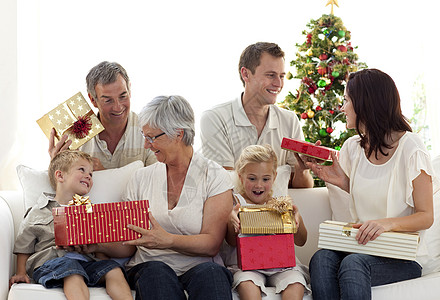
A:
<point x="322" y="64"/>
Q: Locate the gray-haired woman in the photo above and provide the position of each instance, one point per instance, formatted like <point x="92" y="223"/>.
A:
<point x="190" y="201"/>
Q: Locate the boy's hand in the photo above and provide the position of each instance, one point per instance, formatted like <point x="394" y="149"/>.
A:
<point x="17" y="278"/>
<point x="233" y="218"/>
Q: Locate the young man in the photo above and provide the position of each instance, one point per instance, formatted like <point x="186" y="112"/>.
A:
<point x="254" y="118"/>
<point x="121" y="143"/>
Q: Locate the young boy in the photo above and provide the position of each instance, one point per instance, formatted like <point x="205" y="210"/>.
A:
<point x="70" y="173"/>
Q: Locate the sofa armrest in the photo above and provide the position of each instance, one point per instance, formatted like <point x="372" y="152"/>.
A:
<point x="314" y="207"/>
<point x="7" y="238"/>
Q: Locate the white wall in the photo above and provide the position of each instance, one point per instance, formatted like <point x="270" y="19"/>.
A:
<point x="8" y="90"/>
<point x="188" y="47"/>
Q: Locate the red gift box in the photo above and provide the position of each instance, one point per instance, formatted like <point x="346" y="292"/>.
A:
<point x="99" y="223"/>
<point x="309" y="149"/>
<point x="265" y="251"/>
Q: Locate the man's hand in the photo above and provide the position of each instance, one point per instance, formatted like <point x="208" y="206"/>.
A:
<point x="97" y="165"/>
<point x="63" y="144"/>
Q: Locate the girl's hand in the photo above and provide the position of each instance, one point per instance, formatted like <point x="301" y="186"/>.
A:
<point x="154" y="238"/>
<point x="370" y="230"/>
<point x="233" y="218"/>
<point x="296" y="215"/>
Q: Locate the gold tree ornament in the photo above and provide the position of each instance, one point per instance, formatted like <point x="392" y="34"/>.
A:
<point x="332" y="2"/>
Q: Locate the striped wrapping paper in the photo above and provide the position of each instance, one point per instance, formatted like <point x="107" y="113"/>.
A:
<point x="340" y="236"/>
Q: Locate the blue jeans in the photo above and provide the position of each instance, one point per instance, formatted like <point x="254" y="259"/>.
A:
<point x="340" y="275"/>
<point x="52" y="273"/>
<point x="156" y="280"/>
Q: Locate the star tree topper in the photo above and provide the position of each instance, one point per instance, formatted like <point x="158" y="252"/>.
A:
<point x="332" y="2"/>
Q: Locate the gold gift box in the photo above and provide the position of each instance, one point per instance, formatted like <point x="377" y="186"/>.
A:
<point x="266" y="219"/>
<point x="340" y="236"/>
<point x="65" y="115"/>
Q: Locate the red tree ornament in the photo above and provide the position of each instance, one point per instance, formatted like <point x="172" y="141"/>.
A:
<point x="342" y="48"/>
<point x="322" y="70"/>
<point x="329" y="130"/>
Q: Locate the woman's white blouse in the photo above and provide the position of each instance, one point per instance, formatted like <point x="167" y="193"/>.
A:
<point x="204" y="179"/>
<point x="385" y="191"/>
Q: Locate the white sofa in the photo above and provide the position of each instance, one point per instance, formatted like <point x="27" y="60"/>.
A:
<point x="314" y="207"/>
<point x="313" y="204"/>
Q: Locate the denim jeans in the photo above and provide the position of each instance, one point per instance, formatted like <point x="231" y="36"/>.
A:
<point x="156" y="280"/>
<point x="52" y="273"/>
<point x="340" y="275"/>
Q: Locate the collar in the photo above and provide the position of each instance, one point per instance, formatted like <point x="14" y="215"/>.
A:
<point x="241" y="119"/>
<point x="44" y="199"/>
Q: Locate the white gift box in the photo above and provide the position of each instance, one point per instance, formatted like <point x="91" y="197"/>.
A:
<point x="340" y="236"/>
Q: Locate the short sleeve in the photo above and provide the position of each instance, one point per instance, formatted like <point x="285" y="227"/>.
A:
<point x="218" y="180"/>
<point x="215" y="139"/>
<point x="419" y="160"/>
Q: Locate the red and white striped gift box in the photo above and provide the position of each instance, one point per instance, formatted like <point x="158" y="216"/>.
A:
<point x="103" y="223"/>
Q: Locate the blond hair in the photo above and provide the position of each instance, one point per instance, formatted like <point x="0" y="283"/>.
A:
<point x="63" y="161"/>
<point x="255" y="154"/>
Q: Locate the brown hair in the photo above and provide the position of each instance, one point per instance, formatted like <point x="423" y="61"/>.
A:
<point x="255" y="154"/>
<point x="63" y="161"/>
<point x="251" y="56"/>
<point x="376" y="102"/>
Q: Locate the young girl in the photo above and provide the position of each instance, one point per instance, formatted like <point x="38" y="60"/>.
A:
<point x="256" y="169"/>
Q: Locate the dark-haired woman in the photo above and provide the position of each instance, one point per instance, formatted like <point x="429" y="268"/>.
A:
<point x="388" y="173"/>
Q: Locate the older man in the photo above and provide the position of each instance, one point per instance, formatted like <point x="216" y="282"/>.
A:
<point x="108" y="87"/>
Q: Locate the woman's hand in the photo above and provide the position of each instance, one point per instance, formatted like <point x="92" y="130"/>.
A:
<point x="154" y="238"/>
<point x="370" y="230"/>
<point x="333" y="174"/>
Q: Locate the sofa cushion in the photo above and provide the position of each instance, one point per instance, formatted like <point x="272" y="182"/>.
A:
<point x="108" y="185"/>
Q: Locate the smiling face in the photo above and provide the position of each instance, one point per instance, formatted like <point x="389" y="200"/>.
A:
<point x="163" y="147"/>
<point x="78" y="179"/>
<point x="267" y="81"/>
<point x="257" y="180"/>
<point x="113" y="102"/>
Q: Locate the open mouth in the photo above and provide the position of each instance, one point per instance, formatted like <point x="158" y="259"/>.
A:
<point x="85" y="183"/>
<point x="258" y="193"/>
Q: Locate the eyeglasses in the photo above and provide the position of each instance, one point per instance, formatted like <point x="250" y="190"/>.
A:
<point x="152" y="139"/>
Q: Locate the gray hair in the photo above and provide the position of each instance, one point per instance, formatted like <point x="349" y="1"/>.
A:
<point x="169" y="114"/>
<point x="105" y="73"/>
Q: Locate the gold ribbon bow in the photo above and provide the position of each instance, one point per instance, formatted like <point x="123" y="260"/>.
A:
<point x="81" y="200"/>
<point x="282" y="205"/>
